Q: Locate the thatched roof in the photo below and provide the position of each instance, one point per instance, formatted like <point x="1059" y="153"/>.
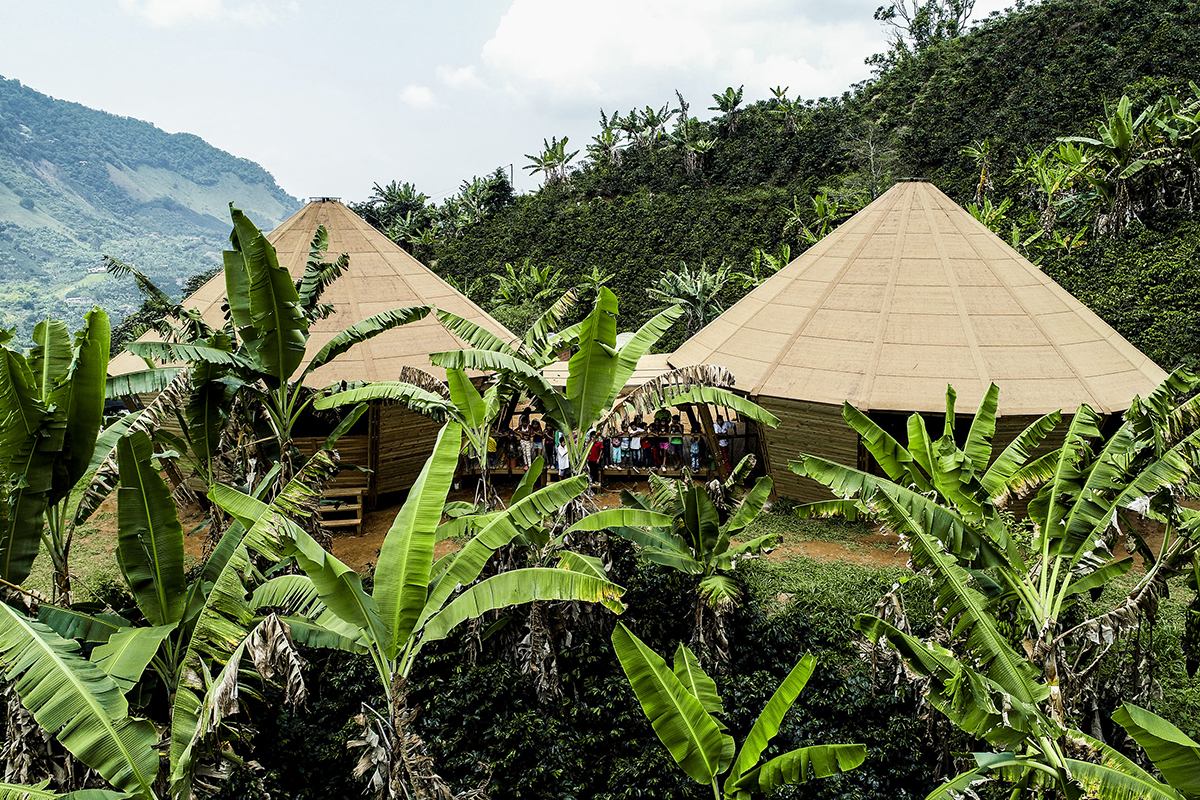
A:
<point x="381" y="276"/>
<point x="908" y="295"/>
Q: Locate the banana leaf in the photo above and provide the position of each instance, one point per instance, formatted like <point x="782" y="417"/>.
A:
<point x="150" y="539"/>
<point x="274" y="304"/>
<point x="402" y="574"/>
<point x="368" y="328"/>
<point x="74" y="700"/>
<point x="521" y="586"/>
<point x="127" y="653"/>
<point x="696" y="681"/>
<point x="592" y="370"/>
<point x="1173" y="752"/>
<point x="689" y="733"/>
<point x="85" y="406"/>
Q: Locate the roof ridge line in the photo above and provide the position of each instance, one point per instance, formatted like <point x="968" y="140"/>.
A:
<point x="889" y="293"/>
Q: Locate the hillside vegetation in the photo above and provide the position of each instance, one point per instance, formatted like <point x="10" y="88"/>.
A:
<point x="657" y="188"/>
<point x="76" y="183"/>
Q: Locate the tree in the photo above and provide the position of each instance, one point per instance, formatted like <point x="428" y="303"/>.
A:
<point x="552" y="161"/>
<point x="525" y="289"/>
<point x="1011" y="673"/>
<point x="919" y="23"/>
<point x="682" y="705"/>
<point x="191" y="643"/>
<point x="697" y="292"/>
<point x="52" y="409"/>
<point x="727" y="103"/>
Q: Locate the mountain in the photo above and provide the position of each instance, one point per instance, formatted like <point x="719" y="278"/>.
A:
<point x="77" y="183"/>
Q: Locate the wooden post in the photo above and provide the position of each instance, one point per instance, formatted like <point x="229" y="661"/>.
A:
<point x="706" y="422"/>
<point x="373" y="422"/>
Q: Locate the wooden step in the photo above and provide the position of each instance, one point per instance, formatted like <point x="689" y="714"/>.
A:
<point x="341" y="523"/>
<point x="340" y="507"/>
<point x="351" y="491"/>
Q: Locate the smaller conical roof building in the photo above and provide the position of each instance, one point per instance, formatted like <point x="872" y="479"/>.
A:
<point x="381" y="276"/>
<point x="909" y="295"/>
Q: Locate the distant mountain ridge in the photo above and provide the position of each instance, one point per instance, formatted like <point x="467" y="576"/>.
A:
<point x="76" y="183"/>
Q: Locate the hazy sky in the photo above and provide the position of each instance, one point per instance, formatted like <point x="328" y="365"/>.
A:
<point x="331" y="97"/>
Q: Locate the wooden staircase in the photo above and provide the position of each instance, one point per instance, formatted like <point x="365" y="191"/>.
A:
<point x="342" y="508"/>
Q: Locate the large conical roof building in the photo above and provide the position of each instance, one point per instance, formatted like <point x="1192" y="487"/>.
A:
<point x="381" y="276"/>
<point x="909" y="295"/>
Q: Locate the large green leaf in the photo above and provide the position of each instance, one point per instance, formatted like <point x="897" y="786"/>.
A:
<point x="176" y="352"/>
<point x="519" y="586"/>
<point x="476" y="336"/>
<point x="893" y="458"/>
<point x="696" y="681"/>
<point x="150" y="539"/>
<point x="768" y="722"/>
<point x="504" y="526"/>
<point x="621" y="517"/>
<point x="1116" y="777"/>
<point x="275" y="311"/>
<point x="127" y="653"/>
<point x="751" y="506"/>
<point x="416" y="398"/>
<point x="800" y="766"/>
<point x="71" y="624"/>
<point x="701" y="521"/>
<point x="1173" y="752"/>
<point x="402" y="573"/>
<point x="467" y="398"/>
<point x="30" y="468"/>
<point x="368" y="328"/>
<point x="557" y="408"/>
<point x="50" y="358"/>
<point x="998" y="476"/>
<point x="75" y="701"/>
<point x="85" y="404"/>
<point x="688" y="731"/>
<point x="592" y="370"/>
<point x="983" y="427"/>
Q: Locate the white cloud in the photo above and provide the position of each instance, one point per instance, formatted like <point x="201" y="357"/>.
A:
<point x="556" y="51"/>
<point x="418" y="96"/>
<point x="164" y="13"/>
<point x="462" y="77"/>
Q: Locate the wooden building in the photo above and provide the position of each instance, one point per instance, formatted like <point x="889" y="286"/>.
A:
<point x="909" y="295"/>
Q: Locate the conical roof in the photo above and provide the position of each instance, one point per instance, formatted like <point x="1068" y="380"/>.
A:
<point x="381" y="276"/>
<point x="912" y="293"/>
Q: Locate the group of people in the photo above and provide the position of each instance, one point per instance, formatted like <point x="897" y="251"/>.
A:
<point x="661" y="444"/>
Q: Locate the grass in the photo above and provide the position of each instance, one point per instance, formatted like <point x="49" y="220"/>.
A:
<point x="93" y="561"/>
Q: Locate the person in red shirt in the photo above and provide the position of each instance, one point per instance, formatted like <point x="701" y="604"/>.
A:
<point x="593" y="459"/>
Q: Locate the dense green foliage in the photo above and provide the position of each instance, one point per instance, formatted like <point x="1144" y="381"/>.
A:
<point x="76" y="183"/>
<point x="595" y="741"/>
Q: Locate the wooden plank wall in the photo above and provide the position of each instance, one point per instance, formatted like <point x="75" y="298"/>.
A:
<point x="352" y="452"/>
<point x="404" y="441"/>
<point x="813" y="428"/>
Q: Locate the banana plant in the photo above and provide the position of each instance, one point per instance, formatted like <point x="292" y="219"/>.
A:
<point x="51" y="410"/>
<point x="683" y="707"/>
<point x="697" y="540"/>
<point x="1012" y="672"/>
<point x="417" y="599"/>
<point x="259" y="352"/>
<point x="168" y="644"/>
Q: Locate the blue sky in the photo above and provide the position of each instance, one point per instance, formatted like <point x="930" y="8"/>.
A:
<point x="331" y="97"/>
